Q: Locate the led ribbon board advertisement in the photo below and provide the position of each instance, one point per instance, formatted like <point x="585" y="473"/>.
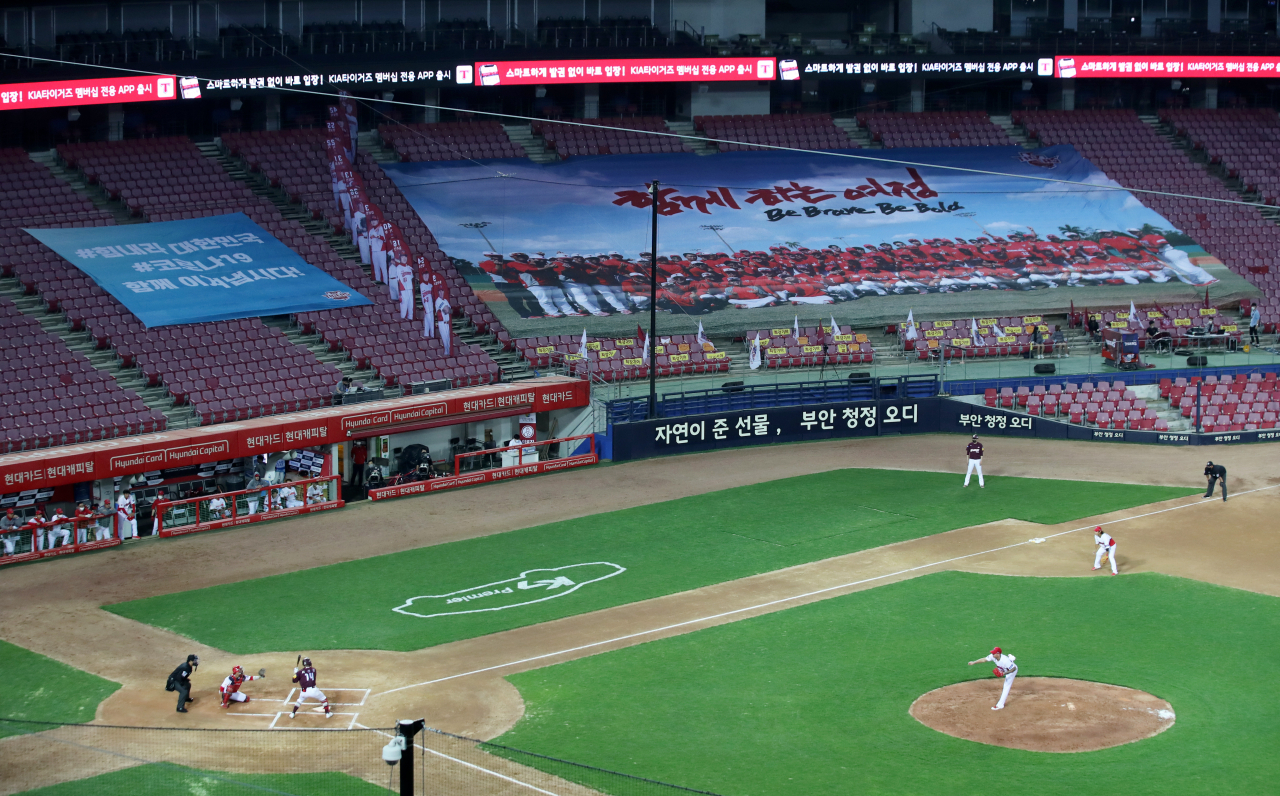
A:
<point x="93" y="91"/>
<point x="751" y="230"/>
<point x="203" y="269"/>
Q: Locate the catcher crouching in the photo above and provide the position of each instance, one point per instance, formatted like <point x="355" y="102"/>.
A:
<point x="230" y="688"/>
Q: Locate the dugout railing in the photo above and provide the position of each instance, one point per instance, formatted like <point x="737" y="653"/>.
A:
<point x="225" y="509"/>
<point x="500" y="464"/>
<point x="49" y="539"/>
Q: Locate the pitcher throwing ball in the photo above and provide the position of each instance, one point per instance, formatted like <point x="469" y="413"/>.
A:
<point x="974" y="451"/>
<point x="1106" y="547"/>
<point x="1005" y="667"/>
<point x="306" y="680"/>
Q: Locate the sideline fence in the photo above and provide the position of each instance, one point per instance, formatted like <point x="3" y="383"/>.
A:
<point x="51" y="538"/>
<point x="225" y="509"/>
<point x="500" y="464"/>
<point x="289" y="762"/>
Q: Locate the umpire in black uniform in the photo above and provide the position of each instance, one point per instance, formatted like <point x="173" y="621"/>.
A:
<point x="1213" y="472"/>
<point x="180" y="681"/>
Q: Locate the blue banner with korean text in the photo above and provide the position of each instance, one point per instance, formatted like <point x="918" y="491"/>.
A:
<point x="202" y="269"/>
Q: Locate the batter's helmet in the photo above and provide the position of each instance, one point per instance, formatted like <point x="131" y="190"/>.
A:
<point x="306" y="661"/>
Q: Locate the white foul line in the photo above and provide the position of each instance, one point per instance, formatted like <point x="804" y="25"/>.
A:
<point x="781" y="600"/>
<point x="465" y="763"/>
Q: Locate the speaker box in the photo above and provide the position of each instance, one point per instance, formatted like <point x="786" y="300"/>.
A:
<point x="1047" y="367"/>
<point x="1197" y="362"/>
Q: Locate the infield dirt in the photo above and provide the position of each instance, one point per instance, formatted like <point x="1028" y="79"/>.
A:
<point x="53" y="607"/>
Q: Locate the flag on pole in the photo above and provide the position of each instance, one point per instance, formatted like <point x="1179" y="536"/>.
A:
<point x="582" y="347"/>
<point x="702" y="338"/>
<point x="911" y="326"/>
<point x="797" y="328"/>
<point x="754" y="358"/>
<point x="835" y="327"/>
<point x="1133" y="312"/>
<point x="973" y="330"/>
<point x="644" y="345"/>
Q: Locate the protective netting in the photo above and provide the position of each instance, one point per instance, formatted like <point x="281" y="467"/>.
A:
<point x="75" y="759"/>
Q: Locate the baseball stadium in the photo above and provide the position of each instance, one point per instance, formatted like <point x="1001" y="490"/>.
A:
<point x="602" y="400"/>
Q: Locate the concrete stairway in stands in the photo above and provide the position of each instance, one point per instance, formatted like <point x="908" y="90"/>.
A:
<point x="1017" y="134"/>
<point x="95" y="193"/>
<point x="535" y="146"/>
<point x="513" y="367"/>
<point x="367" y="141"/>
<point x="700" y="145"/>
<point x="858" y="134"/>
<point x="260" y="185"/>
<point x="1200" y="157"/>
<point x="104" y="359"/>
<point x="316" y="345"/>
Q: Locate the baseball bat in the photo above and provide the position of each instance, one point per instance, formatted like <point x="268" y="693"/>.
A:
<point x="298" y="662"/>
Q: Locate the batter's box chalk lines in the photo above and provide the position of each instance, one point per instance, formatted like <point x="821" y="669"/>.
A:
<point x="288" y="725"/>
<point x="792" y="598"/>
<point x="364" y="695"/>
<point x="488" y="771"/>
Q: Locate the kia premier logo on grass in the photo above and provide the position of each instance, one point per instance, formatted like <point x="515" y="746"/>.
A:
<point x="529" y="587"/>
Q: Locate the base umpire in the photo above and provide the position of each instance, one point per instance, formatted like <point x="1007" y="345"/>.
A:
<point x="180" y="681"/>
<point x="1212" y="472"/>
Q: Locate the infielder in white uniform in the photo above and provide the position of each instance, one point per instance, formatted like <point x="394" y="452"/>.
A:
<point x="1005" y="667"/>
<point x="974" y="451"/>
<point x="1106" y="546"/>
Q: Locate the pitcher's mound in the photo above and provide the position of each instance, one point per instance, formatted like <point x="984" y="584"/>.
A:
<point x="1044" y="714"/>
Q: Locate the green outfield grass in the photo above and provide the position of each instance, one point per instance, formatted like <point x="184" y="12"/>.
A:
<point x="814" y="700"/>
<point x="666" y="547"/>
<point x="163" y="779"/>
<point x="41" y="689"/>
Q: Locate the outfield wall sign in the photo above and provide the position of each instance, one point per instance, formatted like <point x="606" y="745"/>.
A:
<point x="528" y="588"/>
<point x="782" y="424"/>
<point x="874" y="418"/>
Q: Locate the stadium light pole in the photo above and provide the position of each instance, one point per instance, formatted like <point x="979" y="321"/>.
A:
<point x="653" y="303"/>
<point x="716" y="229"/>
<point x="479" y="226"/>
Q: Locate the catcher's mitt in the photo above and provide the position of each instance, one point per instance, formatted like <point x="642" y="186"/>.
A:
<point x="262" y="672"/>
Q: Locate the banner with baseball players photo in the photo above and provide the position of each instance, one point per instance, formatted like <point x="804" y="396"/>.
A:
<point x="202" y="269"/>
<point x="751" y="230"/>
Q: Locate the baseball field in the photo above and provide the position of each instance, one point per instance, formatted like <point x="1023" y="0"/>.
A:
<point x="790" y="620"/>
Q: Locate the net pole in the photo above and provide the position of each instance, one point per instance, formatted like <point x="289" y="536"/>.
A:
<point x="653" y="305"/>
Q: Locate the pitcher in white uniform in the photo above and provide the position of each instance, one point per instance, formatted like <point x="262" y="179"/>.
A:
<point x="1106" y="546"/>
<point x="1005" y="667"/>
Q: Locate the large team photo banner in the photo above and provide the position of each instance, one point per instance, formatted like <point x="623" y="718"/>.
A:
<point x="760" y="230"/>
<point x="203" y="269"/>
